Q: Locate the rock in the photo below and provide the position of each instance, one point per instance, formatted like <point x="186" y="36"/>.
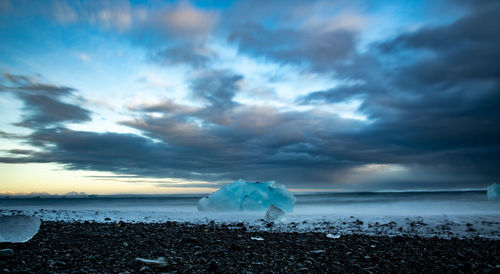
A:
<point x="125" y="244"/>
<point x="235" y="247"/>
<point x="60" y="264"/>
<point x="398" y="239"/>
<point x="212" y="267"/>
<point x="145" y="269"/>
<point x="190" y="241"/>
<point x="5" y="253"/>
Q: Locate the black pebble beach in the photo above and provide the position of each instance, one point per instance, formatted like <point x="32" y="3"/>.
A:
<point x="191" y="248"/>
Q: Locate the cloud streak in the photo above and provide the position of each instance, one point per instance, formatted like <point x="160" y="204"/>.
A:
<point x="43" y="105"/>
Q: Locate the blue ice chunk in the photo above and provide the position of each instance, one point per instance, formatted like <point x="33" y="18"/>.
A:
<point x="248" y="196"/>
<point x="493" y="191"/>
<point x="18" y="228"/>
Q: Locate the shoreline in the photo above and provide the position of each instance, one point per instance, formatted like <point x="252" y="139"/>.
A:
<point x="464" y="226"/>
<point x="192" y="248"/>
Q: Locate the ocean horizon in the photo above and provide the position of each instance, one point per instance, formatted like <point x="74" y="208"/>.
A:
<point x="312" y="211"/>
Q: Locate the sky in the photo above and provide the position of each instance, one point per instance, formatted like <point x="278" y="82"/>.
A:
<point x="111" y="97"/>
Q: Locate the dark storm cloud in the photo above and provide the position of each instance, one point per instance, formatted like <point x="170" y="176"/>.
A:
<point x="438" y="105"/>
<point x="313" y="36"/>
<point x="42" y="110"/>
<point x="338" y="94"/>
<point x="7" y="135"/>
<point x="132" y="154"/>
<point x="216" y="88"/>
<point x="319" y="50"/>
<point x="166" y="106"/>
<point x="23" y="83"/>
<point x="256" y="143"/>
<point x="219" y="141"/>
<point x="43" y="105"/>
<point x="120" y="153"/>
<point x="431" y="98"/>
<point x="184" y="54"/>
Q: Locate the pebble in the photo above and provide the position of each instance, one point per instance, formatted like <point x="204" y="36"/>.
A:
<point x="212" y="267"/>
<point x="5" y="253"/>
<point x="189" y="248"/>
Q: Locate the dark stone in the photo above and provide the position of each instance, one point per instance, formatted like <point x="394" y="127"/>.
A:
<point x="212" y="267"/>
<point x="235" y="247"/>
<point x="190" y="240"/>
<point x="5" y="253"/>
<point x="98" y="248"/>
<point x="398" y="239"/>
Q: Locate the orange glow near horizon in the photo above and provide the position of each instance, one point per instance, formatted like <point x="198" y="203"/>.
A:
<point x="54" y="179"/>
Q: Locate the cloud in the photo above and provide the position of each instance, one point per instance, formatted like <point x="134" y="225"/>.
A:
<point x="84" y="57"/>
<point x="186" y="20"/>
<point x="178" y="35"/>
<point x="43" y="105"/>
<point x="465" y="49"/>
<point x="437" y="102"/>
<point x="193" y="54"/>
<point x="173" y="33"/>
<point x="317" y="50"/>
<point x="216" y="87"/>
<point x="312" y="36"/>
<point x="187" y="142"/>
<point x="430" y="96"/>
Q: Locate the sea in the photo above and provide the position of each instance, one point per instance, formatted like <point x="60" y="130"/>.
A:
<point x="464" y="213"/>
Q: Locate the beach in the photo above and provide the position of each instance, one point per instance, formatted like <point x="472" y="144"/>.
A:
<point x="409" y="232"/>
<point x="121" y="247"/>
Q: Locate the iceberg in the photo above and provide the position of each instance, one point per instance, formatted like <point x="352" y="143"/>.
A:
<point x="158" y="263"/>
<point x="333" y="236"/>
<point x="18" y="228"/>
<point x="248" y="196"/>
<point x="274" y="214"/>
<point x="493" y="191"/>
